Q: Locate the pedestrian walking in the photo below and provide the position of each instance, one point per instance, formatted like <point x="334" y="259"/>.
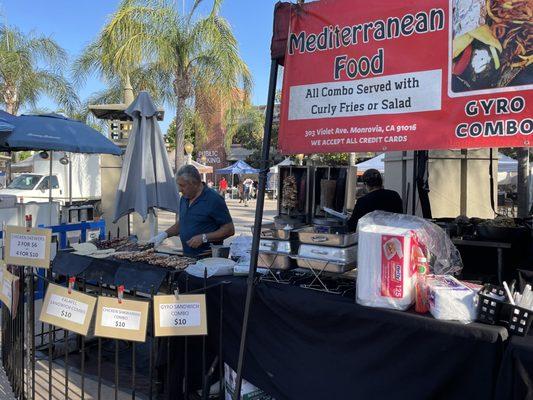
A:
<point x="240" y="191"/>
<point x="223" y="187"/>
<point x="248" y="187"/>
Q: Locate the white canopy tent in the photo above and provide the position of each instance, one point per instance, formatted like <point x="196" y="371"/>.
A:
<point x="377" y="162"/>
<point x="507" y="168"/>
<point x="273" y="176"/>
<point x="275" y="169"/>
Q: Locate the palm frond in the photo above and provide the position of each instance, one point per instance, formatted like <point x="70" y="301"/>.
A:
<point x="58" y="88"/>
<point x="47" y="50"/>
<point x="30" y="67"/>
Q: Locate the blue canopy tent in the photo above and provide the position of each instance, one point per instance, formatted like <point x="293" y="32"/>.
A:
<point x="239" y="168"/>
<point x="52" y="132"/>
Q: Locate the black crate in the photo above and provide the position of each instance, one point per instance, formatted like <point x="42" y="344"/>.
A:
<point x="489" y="308"/>
<point x="519" y="321"/>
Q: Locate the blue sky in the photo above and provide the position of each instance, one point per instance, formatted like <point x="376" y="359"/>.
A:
<point x="74" y="23"/>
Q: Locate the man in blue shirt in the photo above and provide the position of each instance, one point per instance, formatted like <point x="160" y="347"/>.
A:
<point x="204" y="217"/>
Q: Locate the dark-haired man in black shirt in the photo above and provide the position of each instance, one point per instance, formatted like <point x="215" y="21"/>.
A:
<point x="377" y="198"/>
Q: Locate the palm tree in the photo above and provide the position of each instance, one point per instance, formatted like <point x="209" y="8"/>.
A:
<point x="195" y="129"/>
<point x="191" y="54"/>
<point x="244" y="125"/>
<point x="23" y="79"/>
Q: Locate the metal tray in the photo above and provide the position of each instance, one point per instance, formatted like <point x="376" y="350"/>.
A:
<point x="277" y="246"/>
<point x="324" y="265"/>
<point x="343" y="255"/>
<point x="269" y="231"/>
<point x="274" y="260"/>
<point x="310" y="236"/>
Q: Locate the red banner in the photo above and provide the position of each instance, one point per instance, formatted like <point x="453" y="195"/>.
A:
<point x="407" y="75"/>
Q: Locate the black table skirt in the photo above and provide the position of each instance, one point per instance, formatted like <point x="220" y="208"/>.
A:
<point x="515" y="381"/>
<point x="304" y="344"/>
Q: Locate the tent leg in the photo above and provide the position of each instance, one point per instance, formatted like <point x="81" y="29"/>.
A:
<point x="258" y="221"/>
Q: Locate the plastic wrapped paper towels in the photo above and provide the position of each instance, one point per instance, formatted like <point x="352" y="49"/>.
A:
<point x="388" y="251"/>
<point x="385" y="277"/>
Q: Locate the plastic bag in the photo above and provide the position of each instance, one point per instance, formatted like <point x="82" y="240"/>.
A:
<point x="211" y="267"/>
<point x="389" y="248"/>
<point x="241" y="247"/>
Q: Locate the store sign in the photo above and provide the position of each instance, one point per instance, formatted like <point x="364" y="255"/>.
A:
<point x="125" y="320"/>
<point x="211" y="157"/>
<point x="381" y="76"/>
<point x="72" y="310"/>
<point x="27" y="246"/>
<point x="184" y="315"/>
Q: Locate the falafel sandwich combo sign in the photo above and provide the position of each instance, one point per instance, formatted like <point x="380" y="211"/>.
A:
<point x="407" y="75"/>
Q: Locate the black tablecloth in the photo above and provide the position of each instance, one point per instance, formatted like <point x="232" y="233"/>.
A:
<point x="516" y="375"/>
<point x="134" y="276"/>
<point x="304" y="344"/>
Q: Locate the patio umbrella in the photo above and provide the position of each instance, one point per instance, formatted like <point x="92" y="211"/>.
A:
<point x="51" y="132"/>
<point x="203" y="169"/>
<point x="146" y="181"/>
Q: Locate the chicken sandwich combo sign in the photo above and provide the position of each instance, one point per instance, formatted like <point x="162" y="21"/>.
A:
<point x="407" y="75"/>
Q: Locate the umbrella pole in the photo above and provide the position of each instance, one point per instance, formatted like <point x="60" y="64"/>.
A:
<point x="70" y="180"/>
<point x="50" y="190"/>
<point x="152" y="217"/>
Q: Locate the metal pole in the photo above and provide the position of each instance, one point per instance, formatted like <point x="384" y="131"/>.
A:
<point x="70" y="180"/>
<point x="522" y="186"/>
<point x="463" y="200"/>
<point x="50" y="189"/>
<point x="415" y="176"/>
<point x="258" y="220"/>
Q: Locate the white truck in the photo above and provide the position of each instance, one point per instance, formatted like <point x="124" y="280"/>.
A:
<point x="32" y="181"/>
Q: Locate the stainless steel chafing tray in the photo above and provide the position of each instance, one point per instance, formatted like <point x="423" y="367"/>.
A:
<point x="277" y="246"/>
<point x="269" y="231"/>
<point x="344" y="255"/>
<point x="309" y="235"/>
<point x="273" y="260"/>
<point x="323" y="265"/>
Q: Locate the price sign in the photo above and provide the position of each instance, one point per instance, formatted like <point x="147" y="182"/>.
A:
<point x="72" y="311"/>
<point x="184" y="315"/>
<point x="126" y="320"/>
<point x="121" y="319"/>
<point x="28" y="246"/>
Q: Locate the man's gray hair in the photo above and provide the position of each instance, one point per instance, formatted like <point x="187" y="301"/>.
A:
<point x="189" y="173"/>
